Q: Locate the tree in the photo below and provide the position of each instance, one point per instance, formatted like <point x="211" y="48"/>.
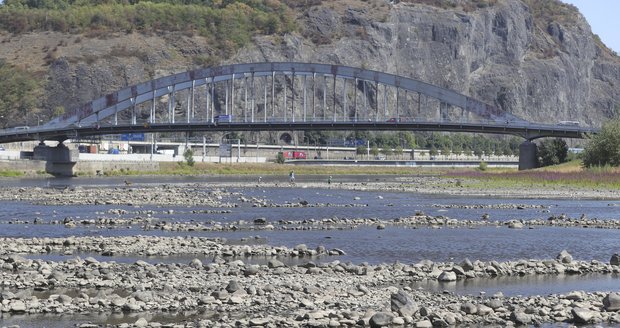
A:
<point x="387" y="151"/>
<point x="189" y="156"/>
<point x="361" y="150"/>
<point x="398" y="151"/>
<point x="552" y="152"/>
<point x="433" y="151"/>
<point x="604" y="147"/>
<point x="374" y="151"/>
<point x="280" y="158"/>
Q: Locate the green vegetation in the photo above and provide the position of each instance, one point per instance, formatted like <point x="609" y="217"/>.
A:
<point x="19" y="94"/>
<point x="227" y="24"/>
<point x="10" y="173"/>
<point x="189" y="156"/>
<point x="280" y="158"/>
<point x="552" y="152"/>
<point x="570" y="174"/>
<point x="604" y="147"/>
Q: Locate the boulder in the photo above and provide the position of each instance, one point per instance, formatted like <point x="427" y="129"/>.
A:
<point x="615" y="259"/>
<point x="467" y="265"/>
<point x="564" y="257"/>
<point x="273" y="263"/>
<point x="232" y="286"/>
<point x="515" y="225"/>
<point x="581" y="315"/>
<point x="520" y="318"/>
<point x="403" y="304"/>
<point x="141" y="323"/>
<point x="381" y="319"/>
<point x="196" y="264"/>
<point x="18" y="306"/>
<point x="447" y="276"/>
<point x="424" y="324"/>
<point x="469" y="308"/>
<point x="611" y="302"/>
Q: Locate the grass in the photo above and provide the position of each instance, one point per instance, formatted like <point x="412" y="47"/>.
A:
<point x="267" y="169"/>
<point x="11" y="173"/>
<point x="570" y="174"/>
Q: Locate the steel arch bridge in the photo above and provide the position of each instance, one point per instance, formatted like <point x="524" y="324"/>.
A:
<point x="285" y="96"/>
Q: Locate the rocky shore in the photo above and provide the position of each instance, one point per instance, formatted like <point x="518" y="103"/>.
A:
<point x="228" y="292"/>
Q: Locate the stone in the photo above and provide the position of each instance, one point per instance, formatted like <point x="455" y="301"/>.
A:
<point x="259" y="321"/>
<point x="467" y="265"/>
<point x="403" y="304"/>
<point x="469" y="308"/>
<point x="564" y="257"/>
<point x="515" y="225"/>
<point x="381" y="319"/>
<point x="424" y="324"/>
<point x="141" y="323"/>
<point x="581" y="315"/>
<point x="520" y="318"/>
<point x="196" y="264"/>
<point x="232" y="286"/>
<point x="484" y="310"/>
<point x="615" y="259"/>
<point x="18" y="306"/>
<point x="611" y="302"/>
<point x="273" y="263"/>
<point x="251" y="270"/>
<point x="447" y="276"/>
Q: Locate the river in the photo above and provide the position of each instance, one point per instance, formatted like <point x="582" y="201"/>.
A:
<point x="362" y="244"/>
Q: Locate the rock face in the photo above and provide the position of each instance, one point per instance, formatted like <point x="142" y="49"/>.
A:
<point x="506" y="54"/>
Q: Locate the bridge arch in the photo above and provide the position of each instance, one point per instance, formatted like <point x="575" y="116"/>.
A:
<point x="330" y="86"/>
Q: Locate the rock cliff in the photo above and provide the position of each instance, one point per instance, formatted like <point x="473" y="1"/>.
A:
<point x="544" y="68"/>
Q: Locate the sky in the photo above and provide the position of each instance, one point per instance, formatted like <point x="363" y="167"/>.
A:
<point x="602" y="15"/>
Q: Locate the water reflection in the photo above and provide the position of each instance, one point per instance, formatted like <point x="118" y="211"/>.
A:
<point x="527" y="285"/>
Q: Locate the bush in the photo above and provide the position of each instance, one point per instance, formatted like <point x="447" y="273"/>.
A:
<point x="189" y="156"/>
<point x="483" y="166"/>
<point x="280" y="158"/>
<point x="552" y="152"/>
<point x="604" y="147"/>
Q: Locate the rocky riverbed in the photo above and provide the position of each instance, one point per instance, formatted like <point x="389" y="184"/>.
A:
<point x="228" y="292"/>
<point x="224" y="287"/>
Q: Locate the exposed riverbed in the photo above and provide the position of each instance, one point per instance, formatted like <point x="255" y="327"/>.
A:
<point x="308" y="254"/>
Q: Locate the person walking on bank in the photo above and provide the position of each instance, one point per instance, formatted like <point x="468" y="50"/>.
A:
<point x="291" y="177"/>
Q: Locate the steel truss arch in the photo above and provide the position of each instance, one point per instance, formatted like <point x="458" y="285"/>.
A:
<point x="127" y="98"/>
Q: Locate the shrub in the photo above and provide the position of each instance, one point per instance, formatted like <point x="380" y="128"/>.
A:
<point x="483" y="166"/>
<point x="552" y="152"/>
<point x="280" y="158"/>
<point x="604" y="147"/>
<point x="189" y="156"/>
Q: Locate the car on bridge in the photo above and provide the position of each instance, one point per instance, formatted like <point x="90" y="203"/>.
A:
<point x="223" y="118"/>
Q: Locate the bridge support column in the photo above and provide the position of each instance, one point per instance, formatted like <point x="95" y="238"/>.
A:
<point x="60" y="160"/>
<point x="528" y="158"/>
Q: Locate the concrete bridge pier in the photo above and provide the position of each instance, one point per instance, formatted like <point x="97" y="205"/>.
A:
<point x="528" y="158"/>
<point x="60" y="160"/>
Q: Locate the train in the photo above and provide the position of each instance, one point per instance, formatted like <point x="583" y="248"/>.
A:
<point x="293" y="154"/>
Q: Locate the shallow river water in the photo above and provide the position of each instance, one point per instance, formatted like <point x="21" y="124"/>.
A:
<point x="362" y="244"/>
